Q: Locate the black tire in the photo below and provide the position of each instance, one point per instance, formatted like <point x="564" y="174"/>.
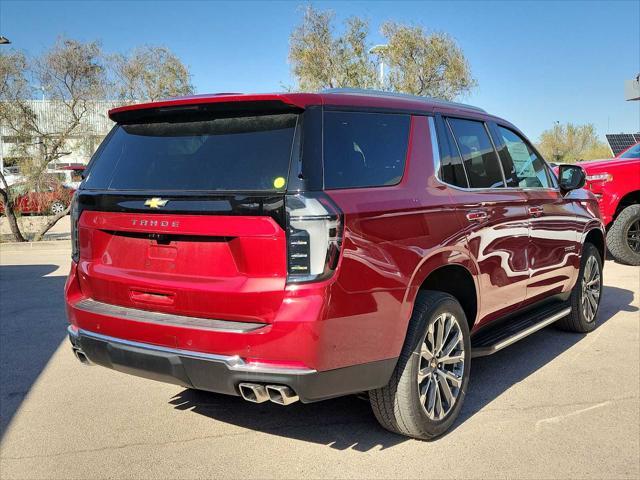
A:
<point x="576" y="321"/>
<point x="397" y="405"/>
<point x="617" y="241"/>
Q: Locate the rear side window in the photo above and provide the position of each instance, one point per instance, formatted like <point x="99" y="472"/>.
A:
<point x="522" y="166"/>
<point x="451" y="170"/>
<point x="479" y="157"/>
<point x="249" y="153"/>
<point x="364" y="149"/>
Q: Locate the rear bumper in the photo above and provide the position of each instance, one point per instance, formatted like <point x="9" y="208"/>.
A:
<point x="221" y="373"/>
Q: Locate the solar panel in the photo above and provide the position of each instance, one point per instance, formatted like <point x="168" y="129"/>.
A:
<point x="621" y="141"/>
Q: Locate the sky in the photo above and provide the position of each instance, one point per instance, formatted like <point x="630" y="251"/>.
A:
<point x="535" y="62"/>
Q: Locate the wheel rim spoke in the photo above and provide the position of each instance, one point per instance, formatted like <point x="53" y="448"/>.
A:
<point x="591" y="285"/>
<point x="441" y="366"/>
<point x="633" y="236"/>
<point x="452" y="359"/>
<point x="446" y="389"/>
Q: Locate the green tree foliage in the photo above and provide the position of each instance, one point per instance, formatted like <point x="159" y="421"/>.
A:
<point x="570" y="143"/>
<point x="320" y="59"/>
<point x="149" y="73"/>
<point x="428" y="64"/>
<point x="416" y="62"/>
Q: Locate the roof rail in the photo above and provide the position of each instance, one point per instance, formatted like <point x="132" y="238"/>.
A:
<point x="382" y="93"/>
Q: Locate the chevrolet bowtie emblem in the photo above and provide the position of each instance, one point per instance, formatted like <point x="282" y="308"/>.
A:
<point x="155" y="202"/>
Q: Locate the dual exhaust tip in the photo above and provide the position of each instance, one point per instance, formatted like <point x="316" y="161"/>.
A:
<point x="257" y="393"/>
<point x="80" y="355"/>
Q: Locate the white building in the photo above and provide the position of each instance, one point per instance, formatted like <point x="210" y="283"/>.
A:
<point x="51" y="119"/>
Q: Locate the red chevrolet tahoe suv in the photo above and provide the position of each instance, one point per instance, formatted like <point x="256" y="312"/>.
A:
<point x="294" y="246"/>
<point x="616" y="184"/>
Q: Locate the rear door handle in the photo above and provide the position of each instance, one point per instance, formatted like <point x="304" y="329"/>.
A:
<point x="535" y="211"/>
<point x="476" y="215"/>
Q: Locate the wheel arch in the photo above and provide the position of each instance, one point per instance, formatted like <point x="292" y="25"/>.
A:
<point x="630" y="198"/>
<point x="596" y="236"/>
<point x="450" y="271"/>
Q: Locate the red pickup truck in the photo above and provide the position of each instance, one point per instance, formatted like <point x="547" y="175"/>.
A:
<point x="616" y="184"/>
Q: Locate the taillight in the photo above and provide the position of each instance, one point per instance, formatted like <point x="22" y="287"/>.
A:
<point x="314" y="235"/>
<point x="74" y="215"/>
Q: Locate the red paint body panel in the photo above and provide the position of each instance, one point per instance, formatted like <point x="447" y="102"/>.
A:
<point x="394" y="237"/>
<point x="625" y="180"/>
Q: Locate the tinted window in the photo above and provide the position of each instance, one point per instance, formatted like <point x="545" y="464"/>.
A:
<point x="480" y="159"/>
<point x="633" y="152"/>
<point x="237" y="153"/>
<point x="451" y="170"/>
<point x="364" y="149"/>
<point x="522" y="166"/>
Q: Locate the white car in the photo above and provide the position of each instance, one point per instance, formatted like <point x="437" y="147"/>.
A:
<point x="11" y="175"/>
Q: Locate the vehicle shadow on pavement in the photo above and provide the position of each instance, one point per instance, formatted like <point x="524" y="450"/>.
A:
<point x="32" y="325"/>
<point x="348" y="422"/>
<point x="342" y="423"/>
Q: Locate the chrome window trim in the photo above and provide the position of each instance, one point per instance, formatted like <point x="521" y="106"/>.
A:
<point x="435" y="147"/>
<point x="435" y="144"/>
<point x="233" y="362"/>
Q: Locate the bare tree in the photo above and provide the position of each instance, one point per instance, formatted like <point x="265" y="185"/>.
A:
<point x="74" y="75"/>
<point x="150" y="73"/>
<point x="418" y="62"/>
<point x="13" y="84"/>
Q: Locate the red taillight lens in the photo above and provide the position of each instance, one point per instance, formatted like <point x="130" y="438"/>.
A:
<point x="314" y="233"/>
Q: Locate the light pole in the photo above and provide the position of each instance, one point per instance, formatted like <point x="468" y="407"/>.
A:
<point x="3" y="41"/>
<point x="380" y="50"/>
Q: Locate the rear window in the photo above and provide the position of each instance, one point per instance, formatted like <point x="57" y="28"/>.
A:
<point x="248" y="153"/>
<point x="364" y="149"/>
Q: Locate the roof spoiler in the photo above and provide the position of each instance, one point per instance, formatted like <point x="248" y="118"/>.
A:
<point x="202" y="107"/>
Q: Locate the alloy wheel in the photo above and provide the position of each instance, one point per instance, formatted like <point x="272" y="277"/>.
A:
<point x="441" y="366"/>
<point x="633" y="236"/>
<point x="57" y="208"/>
<point x="590" y="289"/>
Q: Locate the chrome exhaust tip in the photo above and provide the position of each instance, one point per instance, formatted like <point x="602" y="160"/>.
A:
<point x="253" y="392"/>
<point x="281" y="394"/>
<point x="80" y="355"/>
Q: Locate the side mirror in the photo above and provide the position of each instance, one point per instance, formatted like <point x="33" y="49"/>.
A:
<point x="571" y="177"/>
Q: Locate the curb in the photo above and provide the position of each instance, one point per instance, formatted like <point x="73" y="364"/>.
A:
<point x="37" y="246"/>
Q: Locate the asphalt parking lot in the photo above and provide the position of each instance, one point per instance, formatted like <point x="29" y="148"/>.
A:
<point x="555" y="405"/>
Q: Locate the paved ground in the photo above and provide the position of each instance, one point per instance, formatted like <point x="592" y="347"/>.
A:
<point x="555" y="405"/>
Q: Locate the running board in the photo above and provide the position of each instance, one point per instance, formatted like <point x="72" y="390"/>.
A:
<point x="489" y="342"/>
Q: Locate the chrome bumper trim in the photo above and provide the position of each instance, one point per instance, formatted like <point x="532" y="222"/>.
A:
<point x="232" y="362"/>
<point x="101" y="308"/>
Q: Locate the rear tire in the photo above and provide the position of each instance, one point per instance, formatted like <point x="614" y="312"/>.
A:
<point x="623" y="238"/>
<point x="586" y="294"/>
<point x="428" y="386"/>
